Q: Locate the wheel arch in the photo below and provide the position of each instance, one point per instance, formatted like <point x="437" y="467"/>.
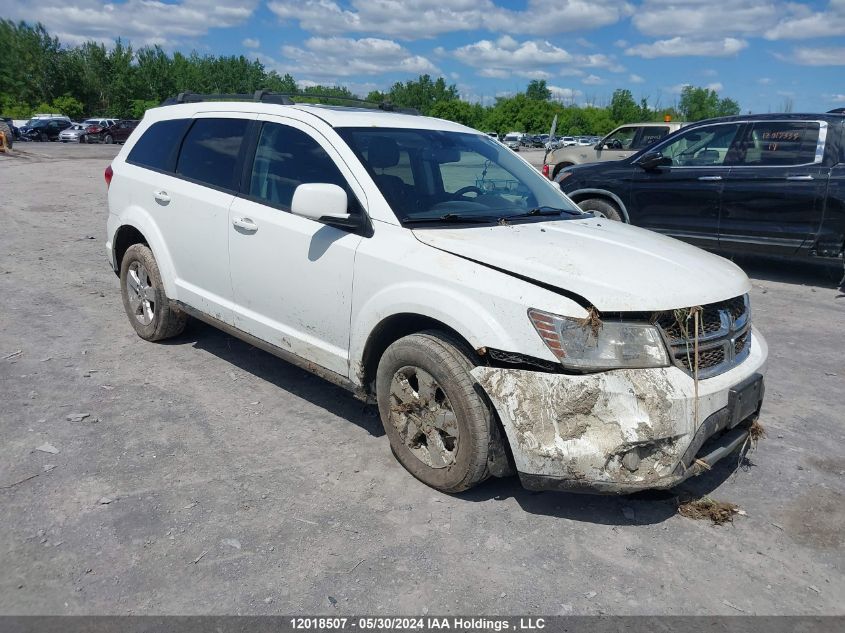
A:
<point x="580" y="195"/>
<point x="137" y="227"/>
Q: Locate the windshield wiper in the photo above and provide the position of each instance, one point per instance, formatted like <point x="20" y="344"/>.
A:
<point x="545" y="210"/>
<point x="453" y="217"/>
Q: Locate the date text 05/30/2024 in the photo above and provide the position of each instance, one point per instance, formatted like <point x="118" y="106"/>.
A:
<point x="455" y="623"/>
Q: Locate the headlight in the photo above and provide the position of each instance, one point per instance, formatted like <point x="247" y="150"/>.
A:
<point x="610" y="345"/>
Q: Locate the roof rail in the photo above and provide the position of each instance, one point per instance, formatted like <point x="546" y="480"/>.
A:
<point x="265" y="96"/>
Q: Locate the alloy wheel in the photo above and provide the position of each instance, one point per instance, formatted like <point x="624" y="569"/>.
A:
<point x="140" y="293"/>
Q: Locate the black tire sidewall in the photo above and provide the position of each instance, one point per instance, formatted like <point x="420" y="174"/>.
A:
<point x="451" y="371"/>
<point x="608" y="209"/>
<point x="143" y="255"/>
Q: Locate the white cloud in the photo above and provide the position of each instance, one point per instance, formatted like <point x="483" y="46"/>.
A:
<point x="806" y="24"/>
<point x="635" y="79"/>
<point x="829" y="56"/>
<point x="592" y="80"/>
<point x="716" y="86"/>
<point x="535" y="59"/>
<point x="764" y="81"/>
<point x="412" y="19"/>
<point x="676" y="89"/>
<point x="343" y="57"/>
<point x="567" y="95"/>
<point x="835" y="98"/>
<point x="770" y="19"/>
<point x="143" y="22"/>
<point x="687" y="47"/>
<point x="621" y="43"/>
<point x="584" y="43"/>
<point x="694" y="17"/>
<point x="251" y="43"/>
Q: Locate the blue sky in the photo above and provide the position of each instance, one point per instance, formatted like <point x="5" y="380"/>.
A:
<point x="764" y="53"/>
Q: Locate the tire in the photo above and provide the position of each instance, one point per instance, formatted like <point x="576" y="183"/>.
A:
<point x="461" y="440"/>
<point x="602" y="208"/>
<point x="10" y="138"/>
<point x="83" y="139"/>
<point x="558" y="169"/>
<point x="108" y="139"/>
<point x="148" y="308"/>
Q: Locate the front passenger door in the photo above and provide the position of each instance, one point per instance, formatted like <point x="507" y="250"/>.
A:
<point x="292" y="276"/>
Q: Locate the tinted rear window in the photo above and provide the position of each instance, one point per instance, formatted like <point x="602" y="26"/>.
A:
<point x="781" y="143"/>
<point x="210" y="151"/>
<point x="158" y="147"/>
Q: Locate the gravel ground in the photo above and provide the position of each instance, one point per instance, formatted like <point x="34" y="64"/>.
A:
<point x="209" y="477"/>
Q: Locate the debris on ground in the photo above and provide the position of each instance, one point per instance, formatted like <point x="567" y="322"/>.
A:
<point x="46" y="447"/>
<point x="756" y="432"/>
<point x="332" y="600"/>
<point x="77" y="417"/>
<point x="104" y="501"/>
<point x="718" y="512"/>
<point x="199" y="558"/>
<point x="13" y="355"/>
<point x="733" y="606"/>
<point x="232" y="542"/>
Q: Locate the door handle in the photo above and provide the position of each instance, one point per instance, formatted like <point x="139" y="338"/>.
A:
<point x="805" y="177"/>
<point x="162" y="197"/>
<point x="710" y="178"/>
<point x="245" y="223"/>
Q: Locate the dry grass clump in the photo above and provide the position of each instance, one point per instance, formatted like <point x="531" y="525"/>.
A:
<point x="705" y="508"/>
<point x="592" y="321"/>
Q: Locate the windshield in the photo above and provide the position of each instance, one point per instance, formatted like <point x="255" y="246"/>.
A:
<point x="427" y="175"/>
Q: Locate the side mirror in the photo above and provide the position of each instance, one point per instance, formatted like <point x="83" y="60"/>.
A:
<point x="653" y="160"/>
<point x="323" y="202"/>
<point x="598" y="146"/>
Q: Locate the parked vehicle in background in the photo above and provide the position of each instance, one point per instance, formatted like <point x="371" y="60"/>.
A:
<point x="513" y="140"/>
<point x="44" y="129"/>
<point x="425" y="267"/>
<point x="7" y="126"/>
<point x="493" y="135"/>
<point x="74" y="134"/>
<point x="768" y="183"/>
<point x="620" y="143"/>
<point x="112" y="132"/>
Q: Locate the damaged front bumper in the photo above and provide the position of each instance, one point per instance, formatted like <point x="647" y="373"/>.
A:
<point x="624" y="430"/>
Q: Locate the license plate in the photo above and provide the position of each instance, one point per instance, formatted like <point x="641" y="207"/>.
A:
<point x="744" y="399"/>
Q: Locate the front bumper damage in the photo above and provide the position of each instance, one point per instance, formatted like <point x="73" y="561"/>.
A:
<point x="625" y="430"/>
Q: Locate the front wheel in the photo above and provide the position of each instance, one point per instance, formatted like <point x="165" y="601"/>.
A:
<point x="601" y="208"/>
<point x="108" y="140"/>
<point x="146" y="305"/>
<point x="438" y="425"/>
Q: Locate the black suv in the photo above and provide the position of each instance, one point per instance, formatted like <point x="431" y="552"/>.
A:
<point x="44" y="129"/>
<point x="769" y="183"/>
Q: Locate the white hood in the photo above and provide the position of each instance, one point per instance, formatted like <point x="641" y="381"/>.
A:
<point x="616" y="267"/>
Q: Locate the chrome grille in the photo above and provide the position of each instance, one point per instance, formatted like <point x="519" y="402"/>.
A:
<point x="724" y="338"/>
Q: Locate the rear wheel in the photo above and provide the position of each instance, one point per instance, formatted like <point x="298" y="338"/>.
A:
<point x="438" y="425"/>
<point x="559" y="167"/>
<point x="601" y="208"/>
<point x="146" y="305"/>
<point x="108" y="140"/>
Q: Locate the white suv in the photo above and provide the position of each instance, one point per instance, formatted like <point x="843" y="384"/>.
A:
<point x="431" y="270"/>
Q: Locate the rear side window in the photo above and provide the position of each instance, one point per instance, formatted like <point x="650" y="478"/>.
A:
<point x="210" y="151"/>
<point x="158" y="147"/>
<point x="650" y="135"/>
<point x="781" y="143"/>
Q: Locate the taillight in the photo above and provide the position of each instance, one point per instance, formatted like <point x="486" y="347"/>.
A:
<point x="546" y="171"/>
<point x="108" y="176"/>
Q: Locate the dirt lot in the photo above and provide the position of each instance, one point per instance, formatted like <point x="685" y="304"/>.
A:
<point x="209" y="477"/>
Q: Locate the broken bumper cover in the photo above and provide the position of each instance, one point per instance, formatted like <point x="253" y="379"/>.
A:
<point x="624" y="430"/>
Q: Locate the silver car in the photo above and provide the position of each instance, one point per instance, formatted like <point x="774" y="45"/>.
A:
<point x="74" y="134"/>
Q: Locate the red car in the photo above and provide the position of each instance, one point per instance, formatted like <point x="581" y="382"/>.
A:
<point x="118" y="132"/>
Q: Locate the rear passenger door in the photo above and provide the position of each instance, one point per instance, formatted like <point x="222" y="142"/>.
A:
<point x="191" y="207"/>
<point x="773" y="199"/>
<point x="682" y="198"/>
<point x="292" y="276"/>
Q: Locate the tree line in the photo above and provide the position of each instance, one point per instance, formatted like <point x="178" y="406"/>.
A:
<point x="39" y="74"/>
